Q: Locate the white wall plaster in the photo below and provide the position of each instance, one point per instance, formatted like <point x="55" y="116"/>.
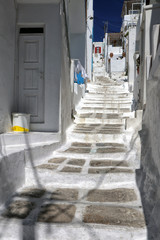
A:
<point x="7" y="57"/>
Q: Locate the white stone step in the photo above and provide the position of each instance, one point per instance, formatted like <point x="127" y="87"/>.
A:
<point x="107" y="105"/>
<point x="106" y="91"/>
<point x="122" y="101"/>
<point x="66" y="180"/>
<point x="96" y="137"/>
<point x="109" y="96"/>
<point x="13" y="139"/>
<point x="99" y="110"/>
<point x="117" y="88"/>
<point x="16" y="230"/>
<point x="108" y="86"/>
<point x="90" y="120"/>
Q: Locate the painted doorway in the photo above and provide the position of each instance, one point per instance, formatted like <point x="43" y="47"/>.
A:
<point x="31" y="73"/>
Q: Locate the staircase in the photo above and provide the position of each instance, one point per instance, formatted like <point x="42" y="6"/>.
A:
<point x="87" y="190"/>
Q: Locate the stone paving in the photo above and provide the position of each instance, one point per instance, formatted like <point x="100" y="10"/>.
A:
<point x="88" y="186"/>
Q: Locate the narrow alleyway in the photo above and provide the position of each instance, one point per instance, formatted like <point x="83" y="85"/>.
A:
<point x="88" y="189"/>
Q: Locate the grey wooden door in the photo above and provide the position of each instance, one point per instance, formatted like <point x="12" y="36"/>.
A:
<point x="31" y="76"/>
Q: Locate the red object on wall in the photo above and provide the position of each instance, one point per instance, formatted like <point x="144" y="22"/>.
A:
<point x="97" y="49"/>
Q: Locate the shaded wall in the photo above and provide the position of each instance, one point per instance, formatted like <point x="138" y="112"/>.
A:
<point x="77" y="47"/>
<point x="77" y="30"/>
<point x="7" y="57"/>
<point x="65" y="83"/>
<point x="151" y="17"/>
<point x="48" y="14"/>
<point x="131" y="69"/>
<point x="148" y="177"/>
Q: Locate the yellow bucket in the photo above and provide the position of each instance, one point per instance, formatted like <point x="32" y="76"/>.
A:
<point x="21" y="122"/>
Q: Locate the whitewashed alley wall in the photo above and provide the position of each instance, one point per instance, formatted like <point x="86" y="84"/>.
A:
<point x="131" y="66"/>
<point x="77" y="30"/>
<point x="89" y="37"/>
<point x="7" y="57"/>
<point x="66" y="92"/>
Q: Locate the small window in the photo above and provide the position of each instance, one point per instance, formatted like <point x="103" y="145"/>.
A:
<point x="31" y="30"/>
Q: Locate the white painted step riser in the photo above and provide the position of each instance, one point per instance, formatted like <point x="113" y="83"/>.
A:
<point x="99" y="121"/>
<point x="14" y="231"/>
<point x="123" y="116"/>
<point x="107" y="88"/>
<point x="109" y="96"/>
<point x="115" y="138"/>
<point x="86" y="181"/>
<point x="100" y="101"/>
<point x="105" y="111"/>
<point x="115" y="156"/>
<point x="104" y="86"/>
<point x="107" y="105"/>
<point x="25" y="139"/>
<point x="117" y="88"/>
<point x="107" y="85"/>
<point x="107" y="99"/>
<point x="103" y="90"/>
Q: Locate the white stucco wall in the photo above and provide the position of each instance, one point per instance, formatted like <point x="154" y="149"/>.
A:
<point x="151" y="17"/>
<point x="148" y="177"/>
<point x="12" y="174"/>
<point x="77" y="16"/>
<point x="130" y="20"/>
<point x="89" y="38"/>
<point x="65" y="85"/>
<point x="131" y="63"/>
<point x="79" y="92"/>
<point x="48" y="14"/>
<point x="7" y="56"/>
<point x="77" y="30"/>
<point x="117" y="64"/>
<point x="114" y="50"/>
<point x="78" y="47"/>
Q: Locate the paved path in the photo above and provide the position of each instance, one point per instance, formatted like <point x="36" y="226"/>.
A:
<point x="87" y="190"/>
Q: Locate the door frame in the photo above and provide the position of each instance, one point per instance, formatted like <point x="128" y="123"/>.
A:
<point x="16" y="82"/>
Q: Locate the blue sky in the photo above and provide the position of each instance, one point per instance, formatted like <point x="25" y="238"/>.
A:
<point x="106" y="10"/>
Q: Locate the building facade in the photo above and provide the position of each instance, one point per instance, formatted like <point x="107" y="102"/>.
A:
<point x="38" y="40"/>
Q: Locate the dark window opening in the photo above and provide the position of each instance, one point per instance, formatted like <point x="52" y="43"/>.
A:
<point x="31" y="30"/>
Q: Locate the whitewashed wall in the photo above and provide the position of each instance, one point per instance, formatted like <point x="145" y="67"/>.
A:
<point x="77" y="30"/>
<point x="148" y="177"/>
<point x="152" y="17"/>
<point x="7" y="57"/>
<point x="78" y="47"/>
<point x="66" y="94"/>
<point x="131" y="63"/>
<point x="116" y="64"/>
<point x="89" y="38"/>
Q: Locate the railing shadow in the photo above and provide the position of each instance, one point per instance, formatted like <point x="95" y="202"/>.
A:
<point x="29" y="228"/>
<point x="28" y="231"/>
